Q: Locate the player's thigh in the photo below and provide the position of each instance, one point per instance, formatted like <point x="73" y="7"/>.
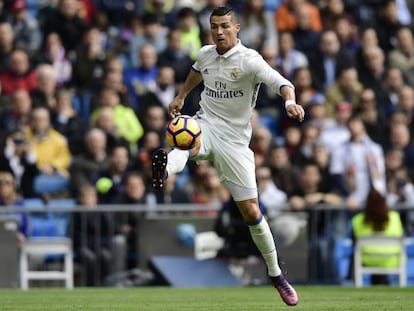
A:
<point x="235" y="164"/>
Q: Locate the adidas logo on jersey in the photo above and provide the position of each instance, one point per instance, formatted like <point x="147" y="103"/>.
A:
<point x="205" y="71"/>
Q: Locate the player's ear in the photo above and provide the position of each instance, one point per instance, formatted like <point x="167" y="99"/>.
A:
<point x="237" y="27"/>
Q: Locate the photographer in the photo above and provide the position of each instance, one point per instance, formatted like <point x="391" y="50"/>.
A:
<point x="19" y="158"/>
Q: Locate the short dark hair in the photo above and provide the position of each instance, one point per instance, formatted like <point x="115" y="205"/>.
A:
<point x="223" y="11"/>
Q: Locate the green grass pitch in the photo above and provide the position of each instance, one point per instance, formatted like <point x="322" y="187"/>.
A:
<point x="312" y="298"/>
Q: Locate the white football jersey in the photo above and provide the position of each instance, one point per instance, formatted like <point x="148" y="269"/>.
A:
<point x="231" y="84"/>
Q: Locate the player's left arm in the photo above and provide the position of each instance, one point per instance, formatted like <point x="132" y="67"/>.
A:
<point x="263" y="73"/>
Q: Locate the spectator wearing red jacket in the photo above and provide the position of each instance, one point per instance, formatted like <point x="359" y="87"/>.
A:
<point x="19" y="74"/>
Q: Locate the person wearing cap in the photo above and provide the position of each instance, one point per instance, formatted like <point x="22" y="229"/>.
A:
<point x="26" y="28"/>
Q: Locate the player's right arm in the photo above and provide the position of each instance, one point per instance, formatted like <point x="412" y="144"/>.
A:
<point x="193" y="79"/>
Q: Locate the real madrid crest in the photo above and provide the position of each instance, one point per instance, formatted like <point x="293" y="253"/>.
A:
<point x="234" y="73"/>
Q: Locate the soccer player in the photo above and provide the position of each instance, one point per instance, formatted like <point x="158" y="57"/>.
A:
<point x="232" y="75"/>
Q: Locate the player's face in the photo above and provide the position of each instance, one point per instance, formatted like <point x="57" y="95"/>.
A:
<point x="224" y="32"/>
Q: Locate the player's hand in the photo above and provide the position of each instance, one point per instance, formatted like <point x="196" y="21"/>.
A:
<point x="175" y="107"/>
<point x="296" y="112"/>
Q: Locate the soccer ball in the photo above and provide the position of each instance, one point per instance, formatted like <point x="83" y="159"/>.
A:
<point x="183" y="132"/>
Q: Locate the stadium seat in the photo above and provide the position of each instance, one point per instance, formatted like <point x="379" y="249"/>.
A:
<point x="41" y="247"/>
<point x="207" y="244"/>
<point x="360" y="269"/>
<point x="409" y="246"/>
<point x="48" y="238"/>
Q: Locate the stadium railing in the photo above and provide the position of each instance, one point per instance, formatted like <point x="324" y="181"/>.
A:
<point x="154" y="232"/>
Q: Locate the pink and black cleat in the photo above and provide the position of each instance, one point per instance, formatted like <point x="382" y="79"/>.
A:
<point x="159" y="171"/>
<point x="286" y="291"/>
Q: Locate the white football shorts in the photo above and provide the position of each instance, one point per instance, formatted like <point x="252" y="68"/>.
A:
<point x="234" y="162"/>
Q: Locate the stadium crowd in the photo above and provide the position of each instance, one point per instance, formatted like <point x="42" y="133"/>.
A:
<point x="85" y="87"/>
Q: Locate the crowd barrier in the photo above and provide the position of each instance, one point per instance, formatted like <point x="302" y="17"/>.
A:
<point x="114" y="244"/>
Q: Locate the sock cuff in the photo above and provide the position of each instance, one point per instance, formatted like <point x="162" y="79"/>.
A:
<point x="255" y="222"/>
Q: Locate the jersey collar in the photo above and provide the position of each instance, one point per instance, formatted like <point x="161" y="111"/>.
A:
<point x="233" y="50"/>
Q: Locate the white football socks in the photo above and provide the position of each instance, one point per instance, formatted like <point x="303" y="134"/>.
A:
<point x="177" y="160"/>
<point x="263" y="238"/>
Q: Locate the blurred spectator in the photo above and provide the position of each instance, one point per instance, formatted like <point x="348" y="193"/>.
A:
<point x="67" y="122"/>
<point x="400" y="185"/>
<point x="190" y="31"/>
<point x="331" y="11"/>
<point x="328" y="60"/>
<point x="285" y="17"/>
<point x="322" y="157"/>
<point x="66" y="22"/>
<point x="52" y="155"/>
<point x="293" y="137"/>
<point x="209" y="190"/>
<point x="378" y="219"/>
<point x="304" y="87"/>
<point x="345" y="88"/>
<point x="203" y="15"/>
<point x="18" y="157"/>
<point x="400" y="137"/>
<point x="86" y="165"/>
<point x="91" y="238"/>
<point x="105" y="121"/>
<point x="127" y="124"/>
<point x="88" y="69"/>
<point x="17" y="117"/>
<point x="126" y="223"/>
<point x="260" y="144"/>
<point x="309" y="191"/>
<point x="172" y="193"/>
<point x="304" y="152"/>
<point x="387" y="25"/>
<point x="316" y="113"/>
<point x="109" y="181"/>
<point x="232" y="228"/>
<point x="19" y="74"/>
<point x="257" y="25"/>
<point x="113" y="80"/>
<point x="289" y="59"/>
<point x="6" y="44"/>
<point x="347" y="34"/>
<point x="272" y="197"/>
<point x="406" y="102"/>
<point x="142" y="79"/>
<point x="44" y="93"/>
<point x="306" y="38"/>
<point x="391" y="87"/>
<point x="150" y="142"/>
<point x="9" y="196"/>
<point x="165" y="91"/>
<point x="373" y="119"/>
<point x="153" y="33"/>
<point x="284" y="174"/>
<point x="402" y="56"/>
<point x="25" y="27"/>
<point x="163" y="9"/>
<point x="372" y="75"/>
<point x="155" y="119"/>
<point x="357" y="165"/>
<point x="175" y="56"/>
<point x="267" y="100"/>
<point x="54" y="53"/>
<point x="368" y="38"/>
